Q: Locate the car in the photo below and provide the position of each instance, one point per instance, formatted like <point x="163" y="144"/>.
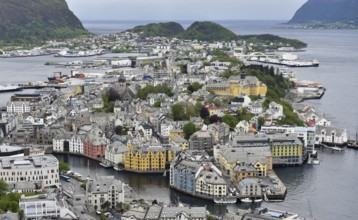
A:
<point x="98" y="212"/>
<point x="78" y="199"/>
<point x="82" y="212"/>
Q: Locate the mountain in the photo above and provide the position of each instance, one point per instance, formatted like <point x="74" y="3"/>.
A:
<point x="37" y="20"/>
<point x="326" y="11"/>
<point x="208" y="31"/>
<point x="168" y="29"/>
<point x="204" y="31"/>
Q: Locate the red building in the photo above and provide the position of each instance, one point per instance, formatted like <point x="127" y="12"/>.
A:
<point x="94" y="145"/>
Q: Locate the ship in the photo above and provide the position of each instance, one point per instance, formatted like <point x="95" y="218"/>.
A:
<point x="9" y="88"/>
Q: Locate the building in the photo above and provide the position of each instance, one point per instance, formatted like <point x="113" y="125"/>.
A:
<point x="183" y="213"/>
<point x="104" y="189"/>
<point x="40" y="207"/>
<point x="159" y="212"/>
<point x="115" y="153"/>
<point x="236" y="85"/>
<point x="149" y="158"/>
<point x="286" y="149"/>
<point x="331" y="136"/>
<point x="95" y="143"/>
<point x="306" y="134"/>
<point x="192" y="172"/>
<point x="201" y="140"/>
<point x="249" y="188"/>
<point x="210" y="182"/>
<point x="18" y="107"/>
<point x="42" y="170"/>
<point x="242" y="162"/>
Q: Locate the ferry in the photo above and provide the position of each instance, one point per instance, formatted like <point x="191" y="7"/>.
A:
<point x="9" y="88"/>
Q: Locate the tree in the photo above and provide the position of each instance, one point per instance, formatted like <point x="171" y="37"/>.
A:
<point x="127" y="207"/>
<point x="260" y="121"/>
<point x="204" y="113"/>
<point x="103" y="217"/>
<point x="63" y="167"/>
<point x="213" y="119"/>
<point x="178" y="112"/>
<point x="211" y="217"/>
<point x="157" y="104"/>
<point x="105" y="205"/>
<point x="113" y="95"/>
<point x="119" y="130"/>
<point x="189" y="129"/>
<point x="3" y="188"/>
<point x="230" y="120"/>
<point x="194" y="87"/>
<point x="155" y="202"/>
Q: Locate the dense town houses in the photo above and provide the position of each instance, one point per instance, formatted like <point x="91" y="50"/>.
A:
<point x="215" y="129"/>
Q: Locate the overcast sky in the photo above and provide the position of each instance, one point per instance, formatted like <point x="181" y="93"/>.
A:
<point x="185" y="9"/>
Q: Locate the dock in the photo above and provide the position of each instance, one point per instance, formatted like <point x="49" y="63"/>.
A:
<point x="332" y="148"/>
<point x="41" y="86"/>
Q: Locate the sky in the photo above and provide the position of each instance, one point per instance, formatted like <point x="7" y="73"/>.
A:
<point x="175" y="10"/>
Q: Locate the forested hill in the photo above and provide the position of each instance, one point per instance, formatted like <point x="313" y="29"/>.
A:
<point x="37" y="20"/>
<point x="327" y="11"/>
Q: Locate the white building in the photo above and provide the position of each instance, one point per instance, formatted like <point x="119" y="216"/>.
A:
<point x="115" y="153"/>
<point x="331" y="135"/>
<point x="76" y="144"/>
<point x="18" y="107"/>
<point x="42" y="170"/>
<point x="165" y="128"/>
<point x="209" y="182"/>
<point x="37" y="207"/>
<point x="103" y="189"/>
<point x="249" y="188"/>
<point x="255" y="108"/>
<point x="275" y="111"/>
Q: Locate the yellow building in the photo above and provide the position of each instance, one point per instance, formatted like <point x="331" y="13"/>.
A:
<point x="149" y="158"/>
<point x="176" y="133"/>
<point x="236" y="85"/>
<point x="245" y="162"/>
<point x="287" y="153"/>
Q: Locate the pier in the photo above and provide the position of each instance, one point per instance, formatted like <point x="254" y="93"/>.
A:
<point x="41" y="86"/>
<point x="332" y="148"/>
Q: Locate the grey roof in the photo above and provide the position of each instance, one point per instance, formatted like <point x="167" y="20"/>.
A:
<point x="212" y="177"/>
<point x="28" y="162"/>
<point x="265" y="140"/>
<point x="153" y="212"/>
<point x="246" y="154"/>
<point x="102" y="184"/>
<point x="193" y="212"/>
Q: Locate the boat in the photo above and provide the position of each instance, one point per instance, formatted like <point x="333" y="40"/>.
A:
<point x="246" y="200"/>
<point x="316" y="162"/>
<point x="105" y="165"/>
<point x="9" y="88"/>
<point x="227" y="200"/>
<point x="117" y="168"/>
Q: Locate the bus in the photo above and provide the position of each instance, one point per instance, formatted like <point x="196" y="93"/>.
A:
<point x="65" y="178"/>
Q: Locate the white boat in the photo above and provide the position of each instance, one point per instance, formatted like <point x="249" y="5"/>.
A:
<point x="117" y="168"/>
<point x="316" y="162"/>
<point x="246" y="200"/>
<point x="8" y="88"/>
<point x="77" y="174"/>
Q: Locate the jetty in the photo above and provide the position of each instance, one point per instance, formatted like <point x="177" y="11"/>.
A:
<point x="332" y="148"/>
